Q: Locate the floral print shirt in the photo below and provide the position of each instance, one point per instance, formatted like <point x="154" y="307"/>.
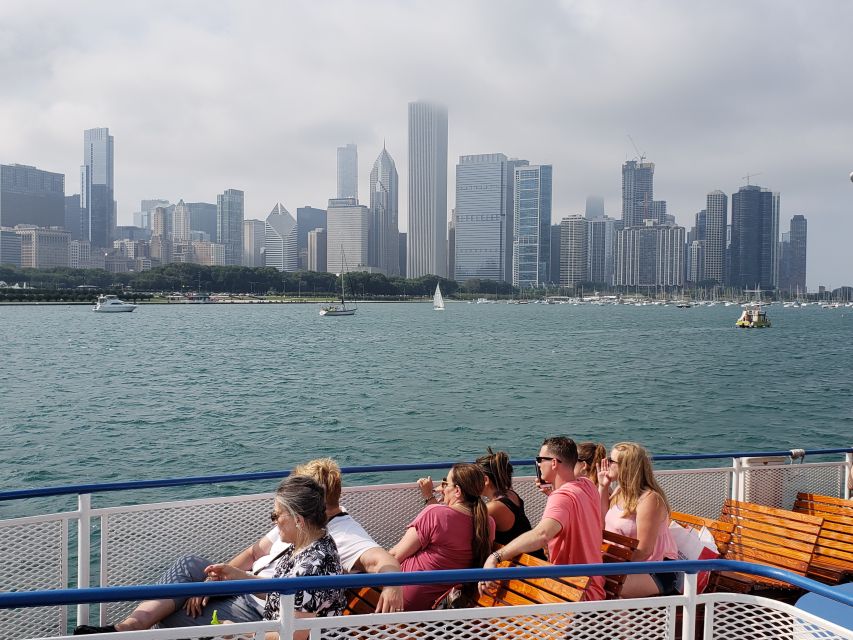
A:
<point x="320" y="558"/>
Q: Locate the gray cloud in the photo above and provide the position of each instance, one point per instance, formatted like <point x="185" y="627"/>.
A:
<point x="256" y="95"/>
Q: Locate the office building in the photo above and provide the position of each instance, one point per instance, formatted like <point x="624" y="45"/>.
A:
<point x="209" y="254"/>
<point x="484" y="216"/>
<point x="755" y="238"/>
<point x="383" y="243"/>
<point x="307" y="219"/>
<point x="348" y="171"/>
<point x="594" y="207"/>
<point x="203" y="218"/>
<point x="317" y="257"/>
<point x="97" y="195"/>
<point x="161" y="223"/>
<point x="451" y="244"/>
<point x="650" y="256"/>
<point x="554" y="268"/>
<point x="601" y="240"/>
<point x="574" y="237"/>
<point x="426" y="251"/>
<point x="638" y="193"/>
<point x="347" y="233"/>
<point x="792" y="257"/>
<point x="696" y="261"/>
<point x="43" y="248"/>
<point x="10" y="248"/>
<point x="229" y="225"/>
<point x="403" y="254"/>
<point x="31" y="196"/>
<point x="716" y="219"/>
<point x="181" y="223"/>
<point x="531" y="247"/>
<point x="146" y="211"/>
<point x="280" y="241"/>
<point x="254" y="239"/>
<point x="73" y="216"/>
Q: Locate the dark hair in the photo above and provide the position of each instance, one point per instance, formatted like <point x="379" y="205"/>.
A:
<point x="592" y="453"/>
<point x="471" y="480"/>
<point x="498" y="468"/>
<point x="304" y="497"/>
<point x="564" y="448"/>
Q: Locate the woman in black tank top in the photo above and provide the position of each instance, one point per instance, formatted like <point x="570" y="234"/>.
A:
<point x="505" y="505"/>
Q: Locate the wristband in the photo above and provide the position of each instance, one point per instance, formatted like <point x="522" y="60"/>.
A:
<point x="427" y="500"/>
<point x="497" y="556"/>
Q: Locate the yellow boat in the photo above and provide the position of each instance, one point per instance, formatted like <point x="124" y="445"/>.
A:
<point x="753" y="317"/>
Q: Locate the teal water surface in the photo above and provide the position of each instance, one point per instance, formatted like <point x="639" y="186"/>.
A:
<point x="177" y="390"/>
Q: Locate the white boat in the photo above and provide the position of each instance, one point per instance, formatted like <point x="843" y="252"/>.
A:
<point x="111" y="304"/>
<point x="437" y="299"/>
<point x="339" y="309"/>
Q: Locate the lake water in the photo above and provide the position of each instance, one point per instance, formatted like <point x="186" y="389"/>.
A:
<point x="178" y="390"/>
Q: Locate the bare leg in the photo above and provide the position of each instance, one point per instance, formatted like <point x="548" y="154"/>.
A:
<point x="146" y="615"/>
<point x="639" y="585"/>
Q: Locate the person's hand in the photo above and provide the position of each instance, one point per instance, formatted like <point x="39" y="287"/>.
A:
<point x="488" y="587"/>
<point x="195" y="605"/>
<point x="390" y="600"/>
<point x="427" y="488"/>
<point x="545" y="487"/>
<point x="225" y="572"/>
<point x="242" y="636"/>
<point x="604" y="473"/>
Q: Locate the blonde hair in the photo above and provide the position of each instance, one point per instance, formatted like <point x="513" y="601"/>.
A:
<point x="635" y="476"/>
<point x="327" y="473"/>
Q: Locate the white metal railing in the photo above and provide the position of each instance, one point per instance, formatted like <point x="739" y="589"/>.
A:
<point x="136" y="543"/>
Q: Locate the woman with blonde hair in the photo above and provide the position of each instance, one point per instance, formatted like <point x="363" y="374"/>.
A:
<point x="638" y="508"/>
<point x="590" y="455"/>
<point x="455" y="534"/>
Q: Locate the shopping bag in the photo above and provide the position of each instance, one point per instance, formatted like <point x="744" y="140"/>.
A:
<point x="695" y="545"/>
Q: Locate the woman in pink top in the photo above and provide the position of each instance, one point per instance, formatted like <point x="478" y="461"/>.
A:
<point x="456" y="534"/>
<point x="638" y="508"/>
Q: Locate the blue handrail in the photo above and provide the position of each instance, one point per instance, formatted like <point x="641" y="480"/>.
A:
<point x="106" y="487"/>
<point x="292" y="585"/>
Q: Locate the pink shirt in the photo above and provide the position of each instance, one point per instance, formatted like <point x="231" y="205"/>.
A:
<point x="616" y="521"/>
<point x="445" y="535"/>
<point x="576" y="506"/>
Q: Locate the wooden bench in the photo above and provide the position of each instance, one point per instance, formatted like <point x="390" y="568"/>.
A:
<point x="616" y="548"/>
<point x="833" y="555"/>
<point x="361" y="601"/>
<point x="770" y="536"/>
<point x="534" y="590"/>
<point x="722" y="532"/>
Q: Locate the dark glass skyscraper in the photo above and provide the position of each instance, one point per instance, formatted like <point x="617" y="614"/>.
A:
<point x="792" y="270"/>
<point x="97" y="191"/>
<point x="755" y="238"/>
<point x="308" y="219"/>
<point x="31" y="196"/>
<point x="638" y="193"/>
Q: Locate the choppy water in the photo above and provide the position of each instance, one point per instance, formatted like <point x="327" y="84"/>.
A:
<point x="188" y="389"/>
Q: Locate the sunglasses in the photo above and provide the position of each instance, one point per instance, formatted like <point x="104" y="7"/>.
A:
<point x="444" y="483"/>
<point x="539" y="459"/>
<point x="612" y="461"/>
<point x="274" y="516"/>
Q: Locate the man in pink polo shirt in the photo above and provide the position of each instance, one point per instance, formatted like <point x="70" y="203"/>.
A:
<point x="571" y="523"/>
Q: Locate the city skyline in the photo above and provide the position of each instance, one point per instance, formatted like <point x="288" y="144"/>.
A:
<point x="781" y="116"/>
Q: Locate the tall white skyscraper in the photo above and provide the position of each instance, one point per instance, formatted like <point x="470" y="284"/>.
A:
<point x="573" y="251"/>
<point x="181" y="223"/>
<point x="484" y="217"/>
<point x="347" y="231"/>
<point x="229" y="224"/>
<point x="426" y="251"/>
<point x="280" y="240"/>
<point x="97" y="189"/>
<point x="384" y="241"/>
<point x="348" y="171"/>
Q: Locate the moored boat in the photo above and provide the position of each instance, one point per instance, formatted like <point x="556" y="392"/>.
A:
<point x="111" y="304"/>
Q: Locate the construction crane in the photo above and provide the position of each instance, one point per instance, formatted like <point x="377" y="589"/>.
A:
<point x="748" y="176"/>
<point x="641" y="155"/>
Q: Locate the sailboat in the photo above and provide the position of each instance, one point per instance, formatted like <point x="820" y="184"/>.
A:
<point x="339" y="309"/>
<point x="437" y="299"/>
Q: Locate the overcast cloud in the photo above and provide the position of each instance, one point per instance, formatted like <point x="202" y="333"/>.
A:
<point x="204" y="96"/>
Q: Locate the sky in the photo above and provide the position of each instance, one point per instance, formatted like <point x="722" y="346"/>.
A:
<point x="257" y="95"/>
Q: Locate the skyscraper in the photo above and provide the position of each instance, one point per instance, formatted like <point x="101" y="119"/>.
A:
<point x="348" y="171"/>
<point x="638" y="193"/>
<point x="755" y="238"/>
<point x="531" y="246"/>
<point x="601" y="240"/>
<point x="97" y="195"/>
<point x="484" y="216"/>
<point x="317" y="250"/>
<point x="280" y="241"/>
<point x="229" y="225"/>
<point x="203" y="218"/>
<point x="793" y="257"/>
<point x="594" y="207"/>
<point x="31" y="196"/>
<point x="650" y="256"/>
<point x="716" y="219"/>
<point x="573" y="251"/>
<point x="384" y="241"/>
<point x="254" y="241"/>
<point x="73" y="219"/>
<point x="181" y="223"/>
<point x="427" y="216"/>
<point x="347" y="232"/>
<point x="308" y="219"/>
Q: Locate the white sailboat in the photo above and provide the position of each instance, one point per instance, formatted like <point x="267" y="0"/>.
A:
<point x="339" y="309"/>
<point x="437" y="299"/>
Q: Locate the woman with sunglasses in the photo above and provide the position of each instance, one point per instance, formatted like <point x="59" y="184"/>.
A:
<point x="454" y="534"/>
<point x="638" y="508"/>
<point x="304" y="548"/>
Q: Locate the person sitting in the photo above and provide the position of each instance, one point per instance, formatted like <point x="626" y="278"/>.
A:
<point x="303" y="548"/>
<point x="456" y="534"/>
<point x="590" y="455"/>
<point x="571" y="523"/>
<point x="638" y="508"/>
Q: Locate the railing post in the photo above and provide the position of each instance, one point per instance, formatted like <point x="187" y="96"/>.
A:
<point x="688" y="621"/>
<point x="737" y="479"/>
<point x="84" y="534"/>
<point x="286" y="604"/>
<point x="847" y="476"/>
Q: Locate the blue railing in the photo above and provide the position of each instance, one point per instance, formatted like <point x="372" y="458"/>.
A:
<point x="106" y="487"/>
<point x="348" y="581"/>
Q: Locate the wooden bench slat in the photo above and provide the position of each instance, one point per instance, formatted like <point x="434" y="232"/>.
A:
<point x="833" y="556"/>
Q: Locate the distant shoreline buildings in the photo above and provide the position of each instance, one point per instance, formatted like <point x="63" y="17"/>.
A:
<point x="503" y="227"/>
